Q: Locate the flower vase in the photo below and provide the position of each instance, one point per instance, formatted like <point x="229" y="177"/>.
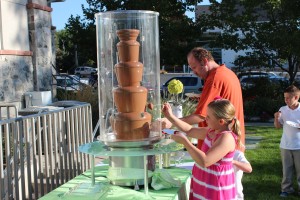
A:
<point x="177" y="110"/>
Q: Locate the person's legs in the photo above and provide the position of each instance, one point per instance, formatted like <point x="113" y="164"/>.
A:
<point x="296" y="155"/>
<point x="287" y="171"/>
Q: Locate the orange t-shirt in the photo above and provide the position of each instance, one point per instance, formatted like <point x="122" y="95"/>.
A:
<point x="224" y="83"/>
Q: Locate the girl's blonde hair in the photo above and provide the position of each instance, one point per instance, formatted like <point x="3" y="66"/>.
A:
<point x="223" y="109"/>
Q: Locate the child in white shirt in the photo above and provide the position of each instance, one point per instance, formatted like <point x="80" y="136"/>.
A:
<point x="288" y="118"/>
<point x="240" y="165"/>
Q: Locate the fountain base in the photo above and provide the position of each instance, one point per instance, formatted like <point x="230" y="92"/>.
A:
<point x="129" y="170"/>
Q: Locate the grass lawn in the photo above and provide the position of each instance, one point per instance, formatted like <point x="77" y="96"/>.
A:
<point x="265" y="179"/>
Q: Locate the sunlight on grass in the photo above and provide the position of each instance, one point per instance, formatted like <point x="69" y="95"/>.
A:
<point x="264" y="182"/>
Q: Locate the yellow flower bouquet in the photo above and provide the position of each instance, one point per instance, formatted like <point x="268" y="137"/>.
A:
<point x="175" y="87"/>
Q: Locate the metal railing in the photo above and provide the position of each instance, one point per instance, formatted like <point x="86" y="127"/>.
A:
<point x="39" y="152"/>
<point x="8" y="111"/>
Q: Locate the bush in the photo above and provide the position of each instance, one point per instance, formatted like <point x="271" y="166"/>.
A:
<point x="263" y="99"/>
<point x="261" y="107"/>
<point x="87" y="94"/>
<point x="188" y="106"/>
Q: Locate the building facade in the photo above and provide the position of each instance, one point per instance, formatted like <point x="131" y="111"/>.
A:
<point x="27" y="49"/>
<point x="225" y="56"/>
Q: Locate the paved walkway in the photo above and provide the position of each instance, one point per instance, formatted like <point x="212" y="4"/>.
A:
<point x="268" y="124"/>
<point x="252" y="141"/>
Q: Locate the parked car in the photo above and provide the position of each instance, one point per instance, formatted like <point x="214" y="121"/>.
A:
<point x="79" y="80"/>
<point x="250" y="81"/>
<point x="84" y="70"/>
<point x="256" y="74"/>
<point x="66" y="83"/>
<point x="191" y="84"/>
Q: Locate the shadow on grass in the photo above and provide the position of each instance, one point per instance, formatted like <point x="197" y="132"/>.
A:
<point x="265" y="180"/>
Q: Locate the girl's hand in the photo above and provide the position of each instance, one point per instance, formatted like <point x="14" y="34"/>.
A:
<point x="234" y="162"/>
<point x="160" y="124"/>
<point x="167" y="110"/>
<point x="179" y="137"/>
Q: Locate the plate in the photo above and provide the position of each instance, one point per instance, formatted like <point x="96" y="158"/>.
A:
<point x="168" y="131"/>
<point x="293" y="124"/>
<point x="192" y="95"/>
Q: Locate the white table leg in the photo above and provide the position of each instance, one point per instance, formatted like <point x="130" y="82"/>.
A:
<point x="146" y="175"/>
<point x="93" y="170"/>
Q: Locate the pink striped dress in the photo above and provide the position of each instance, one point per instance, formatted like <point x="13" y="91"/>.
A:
<point x="215" y="182"/>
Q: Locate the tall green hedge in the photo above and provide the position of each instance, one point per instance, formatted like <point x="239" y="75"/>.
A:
<point x="263" y="99"/>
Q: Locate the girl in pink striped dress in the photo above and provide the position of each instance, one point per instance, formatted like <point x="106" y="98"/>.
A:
<point x="212" y="175"/>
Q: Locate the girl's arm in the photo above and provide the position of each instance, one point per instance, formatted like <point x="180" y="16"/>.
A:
<point x="181" y="125"/>
<point x="245" y="167"/>
<point x="220" y="148"/>
<point x="197" y="132"/>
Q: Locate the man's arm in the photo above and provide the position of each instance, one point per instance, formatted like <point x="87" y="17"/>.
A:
<point x="192" y="119"/>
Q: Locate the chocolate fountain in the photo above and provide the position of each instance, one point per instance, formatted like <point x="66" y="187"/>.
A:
<point x="131" y="123"/>
<point x="129" y="92"/>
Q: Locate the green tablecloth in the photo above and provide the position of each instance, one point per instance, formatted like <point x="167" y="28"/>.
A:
<point x="80" y="188"/>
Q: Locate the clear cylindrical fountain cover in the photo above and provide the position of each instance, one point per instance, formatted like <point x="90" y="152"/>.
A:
<point x="111" y="88"/>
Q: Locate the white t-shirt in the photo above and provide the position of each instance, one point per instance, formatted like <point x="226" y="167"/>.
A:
<point x="239" y="156"/>
<point x="291" y="136"/>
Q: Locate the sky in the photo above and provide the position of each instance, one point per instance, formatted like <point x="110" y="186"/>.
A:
<point x="63" y="10"/>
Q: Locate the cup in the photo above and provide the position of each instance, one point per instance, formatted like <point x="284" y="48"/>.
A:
<point x="166" y="160"/>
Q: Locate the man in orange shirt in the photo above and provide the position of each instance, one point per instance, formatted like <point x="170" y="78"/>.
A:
<point x="219" y="81"/>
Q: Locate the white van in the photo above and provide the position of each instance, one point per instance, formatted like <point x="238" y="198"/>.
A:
<point x="191" y="84"/>
<point x="84" y="70"/>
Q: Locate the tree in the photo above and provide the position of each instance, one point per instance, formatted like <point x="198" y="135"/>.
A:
<point x="267" y="29"/>
<point x="177" y="32"/>
<point x="63" y="53"/>
<point x="77" y="36"/>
